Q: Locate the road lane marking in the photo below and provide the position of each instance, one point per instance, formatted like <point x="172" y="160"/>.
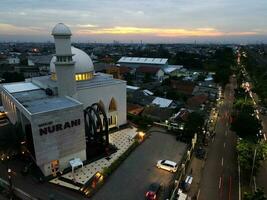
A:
<point x="223" y="145"/>
<point x="198" y="193"/>
<point x="220" y="182"/>
<point x="221" y="194"/>
<point x="222" y="161"/>
<point x="225" y="133"/>
<point x="230" y="188"/>
<point x="239" y="182"/>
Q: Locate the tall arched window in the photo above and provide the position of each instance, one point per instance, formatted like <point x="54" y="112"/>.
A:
<point x="112" y="105"/>
<point x="101" y="104"/>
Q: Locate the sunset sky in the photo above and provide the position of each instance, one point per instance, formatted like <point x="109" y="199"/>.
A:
<point x="135" y="20"/>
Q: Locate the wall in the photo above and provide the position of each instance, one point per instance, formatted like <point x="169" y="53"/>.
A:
<point x="62" y="145"/>
<point x="105" y="93"/>
<point x="9" y="107"/>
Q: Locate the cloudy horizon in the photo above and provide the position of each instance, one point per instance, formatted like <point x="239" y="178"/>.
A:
<point x="131" y="21"/>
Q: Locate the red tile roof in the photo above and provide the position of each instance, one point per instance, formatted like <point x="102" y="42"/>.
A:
<point x="124" y="69"/>
<point x="134" y="109"/>
<point x="197" y="100"/>
<point x="185" y="87"/>
<point x="147" y="69"/>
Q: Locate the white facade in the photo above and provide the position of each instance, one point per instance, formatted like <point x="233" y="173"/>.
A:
<point x="160" y="75"/>
<point x="107" y="95"/>
<point x="13" y="60"/>
<point x="62" y="145"/>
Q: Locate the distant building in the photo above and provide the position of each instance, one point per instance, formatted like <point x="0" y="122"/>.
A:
<point x="197" y="101"/>
<point x="13" y="60"/>
<point x="157" y="113"/>
<point x="164" y="103"/>
<point x="173" y="70"/>
<point x="184" y="87"/>
<point x="134" y="109"/>
<point x="42" y="62"/>
<point x="135" y="62"/>
<point x="28" y="71"/>
<point x="154" y="73"/>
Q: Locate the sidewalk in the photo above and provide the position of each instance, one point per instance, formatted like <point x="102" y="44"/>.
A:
<point x="196" y="167"/>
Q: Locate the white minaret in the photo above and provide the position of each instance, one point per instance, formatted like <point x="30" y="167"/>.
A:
<point x="65" y="69"/>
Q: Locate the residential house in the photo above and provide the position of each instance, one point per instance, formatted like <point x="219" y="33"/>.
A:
<point x="147" y="72"/>
<point x="157" y="113"/>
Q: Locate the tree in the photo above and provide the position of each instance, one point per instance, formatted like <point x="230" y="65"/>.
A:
<point x="193" y="124"/>
<point x="147" y="78"/>
<point x="244" y="105"/>
<point x="246" y="125"/>
<point x="246" y="152"/>
<point x="12" y="77"/>
<point x="257" y="195"/>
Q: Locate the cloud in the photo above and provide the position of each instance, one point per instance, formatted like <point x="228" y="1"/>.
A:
<point x="86" y="26"/>
<point x="163" y="32"/>
<point x="10" y="29"/>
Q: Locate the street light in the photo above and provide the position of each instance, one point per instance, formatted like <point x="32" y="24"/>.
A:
<point x="141" y="135"/>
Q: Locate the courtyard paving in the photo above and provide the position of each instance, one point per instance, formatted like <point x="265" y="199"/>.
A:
<point x="122" y="139"/>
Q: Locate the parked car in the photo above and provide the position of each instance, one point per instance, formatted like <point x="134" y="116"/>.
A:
<point x="167" y="165"/>
<point x="200" y="153"/>
<point x="153" y="191"/>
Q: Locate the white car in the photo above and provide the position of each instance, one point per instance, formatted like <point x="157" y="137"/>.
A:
<point x="167" y="165"/>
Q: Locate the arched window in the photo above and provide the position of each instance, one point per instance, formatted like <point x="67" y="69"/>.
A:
<point x="101" y="104"/>
<point x="112" y="105"/>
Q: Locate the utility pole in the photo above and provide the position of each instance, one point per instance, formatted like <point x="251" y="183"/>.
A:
<point x="253" y="165"/>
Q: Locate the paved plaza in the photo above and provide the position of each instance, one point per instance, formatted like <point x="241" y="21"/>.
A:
<point x="122" y="139"/>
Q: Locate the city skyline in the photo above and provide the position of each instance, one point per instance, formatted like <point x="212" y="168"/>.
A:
<point x="105" y="20"/>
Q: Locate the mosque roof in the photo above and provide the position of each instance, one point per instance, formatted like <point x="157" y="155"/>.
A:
<point x="83" y="62"/>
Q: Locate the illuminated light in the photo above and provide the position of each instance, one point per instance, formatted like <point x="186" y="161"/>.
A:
<point x="78" y="77"/>
<point x="141" y="134"/>
<point x="98" y="175"/>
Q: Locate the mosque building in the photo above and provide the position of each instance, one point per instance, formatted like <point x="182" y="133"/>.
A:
<point x="50" y="109"/>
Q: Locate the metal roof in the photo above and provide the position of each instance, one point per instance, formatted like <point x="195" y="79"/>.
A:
<point x="141" y="60"/>
<point x="37" y="101"/>
<point x="163" y="103"/>
<point x="172" y="68"/>
<point x="20" y="87"/>
<point x="132" y="87"/>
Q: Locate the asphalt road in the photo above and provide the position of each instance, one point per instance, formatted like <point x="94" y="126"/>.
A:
<point x="220" y="174"/>
<point x="131" y="180"/>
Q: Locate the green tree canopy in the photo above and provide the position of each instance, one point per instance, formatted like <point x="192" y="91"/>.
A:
<point x="258" y="195"/>
<point x="193" y="124"/>
<point x="246" y="152"/>
<point x="246" y="126"/>
<point x="244" y="105"/>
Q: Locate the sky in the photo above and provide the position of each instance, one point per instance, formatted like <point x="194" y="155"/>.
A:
<point x="155" y="21"/>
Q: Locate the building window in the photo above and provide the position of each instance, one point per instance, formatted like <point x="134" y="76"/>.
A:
<point x="112" y="105"/>
<point x="78" y="77"/>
